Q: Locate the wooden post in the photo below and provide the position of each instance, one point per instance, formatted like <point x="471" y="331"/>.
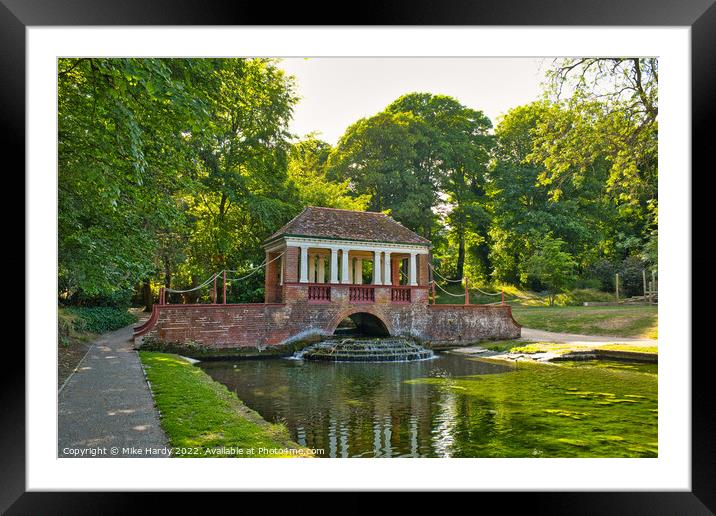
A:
<point x="617" y="285"/>
<point x="161" y="295"/>
<point x="503" y="296"/>
<point x="467" y="293"/>
<point x="213" y="297"/>
<point x="224" y="286"/>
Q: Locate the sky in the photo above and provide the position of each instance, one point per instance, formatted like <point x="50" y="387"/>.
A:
<point x="335" y="92"/>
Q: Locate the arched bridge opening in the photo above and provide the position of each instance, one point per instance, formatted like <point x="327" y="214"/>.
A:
<point x="362" y="324"/>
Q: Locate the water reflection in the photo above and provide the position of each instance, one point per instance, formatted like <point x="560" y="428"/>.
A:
<point x="356" y="409"/>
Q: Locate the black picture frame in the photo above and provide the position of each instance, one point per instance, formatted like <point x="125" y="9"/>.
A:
<point x="699" y="15"/>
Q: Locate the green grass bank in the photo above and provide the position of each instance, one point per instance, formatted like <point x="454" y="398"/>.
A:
<point x="202" y="418"/>
<point x="620" y="320"/>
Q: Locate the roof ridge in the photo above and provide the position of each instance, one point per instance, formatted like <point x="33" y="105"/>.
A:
<point x="344" y="209"/>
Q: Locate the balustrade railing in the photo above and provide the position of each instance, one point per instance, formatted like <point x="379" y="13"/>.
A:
<point x="400" y="294"/>
<point x="361" y="294"/>
<point x="319" y="293"/>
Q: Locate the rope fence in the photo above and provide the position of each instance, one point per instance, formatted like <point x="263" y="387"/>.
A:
<point x="213" y="278"/>
<point x="253" y="270"/>
<point x="466" y="294"/>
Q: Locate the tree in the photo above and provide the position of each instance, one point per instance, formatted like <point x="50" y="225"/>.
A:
<point x="523" y="210"/>
<point x="168" y="169"/>
<point x="239" y="193"/>
<point x="120" y="158"/>
<point x="422" y="153"/>
<point x="381" y="156"/>
<point x="551" y="266"/>
<point x="618" y="100"/>
<point x="307" y="173"/>
<point x="460" y="153"/>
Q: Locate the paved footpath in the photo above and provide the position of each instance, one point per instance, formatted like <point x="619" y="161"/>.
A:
<point x="530" y="334"/>
<point x="107" y="403"/>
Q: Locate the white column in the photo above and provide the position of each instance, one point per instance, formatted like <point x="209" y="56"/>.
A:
<point x="376" y="268"/>
<point x="312" y="268"/>
<point x="358" y="274"/>
<point x="321" y="269"/>
<point x="412" y="277"/>
<point x="304" y="265"/>
<point x="344" y="268"/>
<point x="334" y="265"/>
<point x="387" y="279"/>
<point x="280" y="262"/>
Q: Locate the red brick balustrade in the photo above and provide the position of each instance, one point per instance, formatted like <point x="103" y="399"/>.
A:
<point x="361" y="294"/>
<point x="319" y="293"/>
<point x="400" y="294"/>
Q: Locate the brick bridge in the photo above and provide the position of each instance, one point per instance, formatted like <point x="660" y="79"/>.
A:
<point x="382" y="285"/>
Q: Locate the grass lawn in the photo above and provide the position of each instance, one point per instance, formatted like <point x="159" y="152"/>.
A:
<point x="518" y="346"/>
<point x="198" y="413"/>
<point x="620" y="321"/>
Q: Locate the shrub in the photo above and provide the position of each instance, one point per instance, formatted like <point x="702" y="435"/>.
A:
<point x="552" y="266"/>
<point x="580" y="296"/>
<point x="100" y="319"/>
<point x="120" y="299"/>
<point x="603" y="270"/>
<point x="631" y="279"/>
<point x="66" y="326"/>
<point x="588" y="283"/>
<point x="177" y="348"/>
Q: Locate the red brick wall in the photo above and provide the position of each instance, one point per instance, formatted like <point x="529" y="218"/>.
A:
<point x="423" y="269"/>
<point x="290" y="264"/>
<point x="238" y="325"/>
<point x="272" y="289"/>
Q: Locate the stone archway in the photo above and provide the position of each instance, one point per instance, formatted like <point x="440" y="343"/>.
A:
<point x="367" y="321"/>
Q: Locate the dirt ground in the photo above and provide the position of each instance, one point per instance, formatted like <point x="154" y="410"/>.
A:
<point x="67" y="359"/>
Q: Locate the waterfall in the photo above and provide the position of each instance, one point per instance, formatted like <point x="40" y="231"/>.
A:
<point x="381" y="349"/>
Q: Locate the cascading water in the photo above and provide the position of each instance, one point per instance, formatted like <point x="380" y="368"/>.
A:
<point x="351" y="349"/>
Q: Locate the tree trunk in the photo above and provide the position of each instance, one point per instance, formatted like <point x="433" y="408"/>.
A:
<point x="147" y="296"/>
<point x="193" y="296"/>
<point x="461" y="254"/>
<point x="167" y="273"/>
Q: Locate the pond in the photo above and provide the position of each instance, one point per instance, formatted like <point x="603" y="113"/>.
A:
<point x="454" y="406"/>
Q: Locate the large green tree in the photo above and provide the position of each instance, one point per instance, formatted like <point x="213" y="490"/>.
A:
<point x="121" y="156"/>
<point x="307" y="173"/>
<point x="239" y="192"/>
<point x="617" y="99"/>
<point x="523" y="210"/>
<point x="423" y="156"/>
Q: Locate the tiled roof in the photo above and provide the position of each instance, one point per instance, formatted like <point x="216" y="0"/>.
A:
<point x="348" y="225"/>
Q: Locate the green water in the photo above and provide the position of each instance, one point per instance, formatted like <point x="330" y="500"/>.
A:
<point x="454" y="406"/>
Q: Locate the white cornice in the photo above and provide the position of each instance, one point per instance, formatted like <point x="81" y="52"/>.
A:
<point x="348" y="244"/>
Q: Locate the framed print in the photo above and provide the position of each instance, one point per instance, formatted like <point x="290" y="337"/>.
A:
<point x="419" y="251"/>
